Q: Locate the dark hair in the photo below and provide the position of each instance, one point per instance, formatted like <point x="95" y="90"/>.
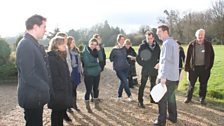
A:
<point x="119" y="36"/>
<point x="35" y="19"/>
<point x="178" y="42"/>
<point x="164" y="28"/>
<point x="96" y="36"/>
<point x="149" y="33"/>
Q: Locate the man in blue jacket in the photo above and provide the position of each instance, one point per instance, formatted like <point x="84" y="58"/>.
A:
<point x="33" y="71"/>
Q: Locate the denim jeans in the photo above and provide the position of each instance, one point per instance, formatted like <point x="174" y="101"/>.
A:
<point x="123" y="76"/>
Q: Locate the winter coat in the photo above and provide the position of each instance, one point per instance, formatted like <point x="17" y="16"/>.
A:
<point x="91" y="63"/>
<point x="182" y="57"/>
<point x="148" y="65"/>
<point x="61" y="83"/>
<point x="190" y="58"/>
<point x="103" y="62"/>
<point x="119" y="58"/>
<point x="34" y="77"/>
<point x="131" y="52"/>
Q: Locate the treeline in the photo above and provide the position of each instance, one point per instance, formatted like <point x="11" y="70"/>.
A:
<point x="107" y="32"/>
<point x="82" y="36"/>
<point x="183" y="27"/>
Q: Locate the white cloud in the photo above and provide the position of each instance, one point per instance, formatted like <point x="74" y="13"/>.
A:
<point x="67" y="14"/>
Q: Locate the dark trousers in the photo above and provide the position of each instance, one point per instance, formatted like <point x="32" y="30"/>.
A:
<point x="144" y="80"/>
<point x="93" y="91"/>
<point x="130" y="81"/>
<point x="168" y="100"/>
<point x="57" y="117"/>
<point x="33" y="117"/>
<point x="74" y="92"/>
<point x="203" y="76"/>
<point x="92" y="83"/>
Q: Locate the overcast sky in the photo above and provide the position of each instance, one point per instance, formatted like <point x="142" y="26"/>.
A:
<point x="75" y="14"/>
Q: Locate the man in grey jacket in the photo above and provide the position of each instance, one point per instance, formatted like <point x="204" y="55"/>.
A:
<point x="34" y="77"/>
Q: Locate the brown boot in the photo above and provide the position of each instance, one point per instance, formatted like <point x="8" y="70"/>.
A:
<point x="88" y="106"/>
<point x="96" y="101"/>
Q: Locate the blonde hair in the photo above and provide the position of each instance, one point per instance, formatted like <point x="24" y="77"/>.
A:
<point x="127" y="42"/>
<point x="55" y="42"/>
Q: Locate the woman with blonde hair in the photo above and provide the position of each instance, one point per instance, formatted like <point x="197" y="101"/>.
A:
<point x="121" y="66"/>
<point x="61" y="98"/>
<point x="131" y="60"/>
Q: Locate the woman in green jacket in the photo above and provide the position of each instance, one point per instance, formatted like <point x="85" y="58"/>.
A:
<point x="91" y="56"/>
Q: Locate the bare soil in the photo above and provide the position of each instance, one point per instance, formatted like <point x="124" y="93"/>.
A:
<point x="114" y="113"/>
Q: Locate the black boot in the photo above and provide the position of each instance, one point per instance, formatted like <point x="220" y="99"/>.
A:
<point x="75" y="105"/>
<point x="66" y="117"/>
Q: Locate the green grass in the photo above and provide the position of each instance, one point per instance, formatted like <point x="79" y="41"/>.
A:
<point x="215" y="90"/>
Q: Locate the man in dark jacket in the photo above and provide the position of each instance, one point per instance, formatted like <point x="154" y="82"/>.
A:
<point x="199" y="62"/>
<point x="148" y="61"/>
<point x="34" y="76"/>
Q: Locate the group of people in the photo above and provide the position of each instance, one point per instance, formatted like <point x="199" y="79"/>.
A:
<point x="52" y="77"/>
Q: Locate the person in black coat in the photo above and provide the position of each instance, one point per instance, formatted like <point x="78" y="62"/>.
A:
<point x="149" y="64"/>
<point x="131" y="60"/>
<point x="61" y="81"/>
<point x="182" y="56"/>
<point x="34" y="77"/>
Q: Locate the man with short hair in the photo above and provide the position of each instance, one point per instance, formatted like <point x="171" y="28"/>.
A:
<point x="149" y="69"/>
<point x="168" y="75"/>
<point x="199" y="62"/>
<point x="34" y="77"/>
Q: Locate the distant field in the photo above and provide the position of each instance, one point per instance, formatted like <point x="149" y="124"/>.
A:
<point x="216" y="81"/>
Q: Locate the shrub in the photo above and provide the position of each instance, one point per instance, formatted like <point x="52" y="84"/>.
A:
<point x="216" y="94"/>
<point x="4" y="52"/>
<point x="7" y="71"/>
<point x="81" y="47"/>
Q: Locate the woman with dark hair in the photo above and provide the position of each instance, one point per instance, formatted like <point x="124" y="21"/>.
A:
<point x="76" y="68"/>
